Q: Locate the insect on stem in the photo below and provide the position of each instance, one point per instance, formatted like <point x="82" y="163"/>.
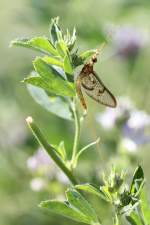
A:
<point x="89" y="81"/>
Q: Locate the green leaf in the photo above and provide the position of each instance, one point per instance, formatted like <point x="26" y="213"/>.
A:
<point x="75" y="208"/>
<point x="61" y="150"/>
<point x="61" y="48"/>
<point x="64" y="209"/>
<point x="37" y="81"/>
<point x="137" y="181"/>
<point x="72" y="40"/>
<point x="57" y="84"/>
<point x="52" y="61"/>
<point x="55" y="105"/>
<point x="105" y="191"/>
<point x="77" y="200"/>
<point x="134" y="219"/>
<point x="55" y="31"/>
<point x="145" y="206"/>
<point x="67" y="65"/>
<point x="93" y="190"/>
<point x="41" y="44"/>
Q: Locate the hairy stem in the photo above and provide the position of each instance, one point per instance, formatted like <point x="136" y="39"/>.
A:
<point x="50" y="150"/>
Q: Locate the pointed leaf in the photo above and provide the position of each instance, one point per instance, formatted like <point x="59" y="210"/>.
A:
<point x="93" y="190"/>
<point x="61" y="150"/>
<point x="76" y="208"/>
<point x="52" y="61"/>
<point x="134" y="219"/>
<point x="37" y="81"/>
<point x="55" y="32"/>
<point x="41" y="44"/>
<point x="67" y="65"/>
<point x="137" y="181"/>
<point x="61" y="48"/>
<point x="55" y="105"/>
<point x="77" y="200"/>
<point x="64" y="209"/>
<point x="57" y="84"/>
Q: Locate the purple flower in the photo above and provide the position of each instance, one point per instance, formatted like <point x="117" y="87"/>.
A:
<point x="134" y="128"/>
<point x="110" y="116"/>
<point x="38" y="160"/>
<point x="41" y="164"/>
<point x="133" y="123"/>
<point x="129" y="40"/>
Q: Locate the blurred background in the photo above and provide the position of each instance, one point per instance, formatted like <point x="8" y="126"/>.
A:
<point x="27" y="176"/>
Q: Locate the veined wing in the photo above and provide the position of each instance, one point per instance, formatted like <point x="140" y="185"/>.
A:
<point x="94" y="88"/>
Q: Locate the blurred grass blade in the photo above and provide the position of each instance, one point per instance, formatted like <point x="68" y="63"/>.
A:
<point x="41" y="44"/>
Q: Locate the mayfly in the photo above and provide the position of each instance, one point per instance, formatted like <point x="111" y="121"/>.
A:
<point x="93" y="86"/>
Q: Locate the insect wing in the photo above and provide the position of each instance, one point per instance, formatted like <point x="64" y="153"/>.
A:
<point x="94" y="88"/>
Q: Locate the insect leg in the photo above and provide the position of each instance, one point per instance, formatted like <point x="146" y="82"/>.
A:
<point x="79" y="92"/>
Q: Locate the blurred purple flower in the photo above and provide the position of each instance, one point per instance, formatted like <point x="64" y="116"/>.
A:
<point x="110" y="116"/>
<point x="135" y="127"/>
<point x="128" y="41"/>
<point x="133" y="123"/>
<point x="40" y="163"/>
<point x="38" y="160"/>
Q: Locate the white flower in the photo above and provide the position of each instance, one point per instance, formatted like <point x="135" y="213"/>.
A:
<point x="38" y="160"/>
<point x="138" y="120"/>
<point x="107" y="119"/>
<point x="37" y="184"/>
<point x="62" y="177"/>
<point x="129" y="145"/>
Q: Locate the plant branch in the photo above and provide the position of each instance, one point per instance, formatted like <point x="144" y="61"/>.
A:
<point x="50" y="150"/>
<point x="77" y="133"/>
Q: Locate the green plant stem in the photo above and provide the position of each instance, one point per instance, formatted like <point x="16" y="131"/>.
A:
<point x="50" y="150"/>
<point x="77" y="133"/>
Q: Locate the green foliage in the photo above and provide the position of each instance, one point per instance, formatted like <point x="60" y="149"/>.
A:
<point x="51" y="84"/>
<point x="50" y="79"/>
<point x="41" y="44"/>
<point x="53" y="69"/>
<point x="57" y="105"/>
<point x="76" y="207"/>
<point x="90" y="188"/>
